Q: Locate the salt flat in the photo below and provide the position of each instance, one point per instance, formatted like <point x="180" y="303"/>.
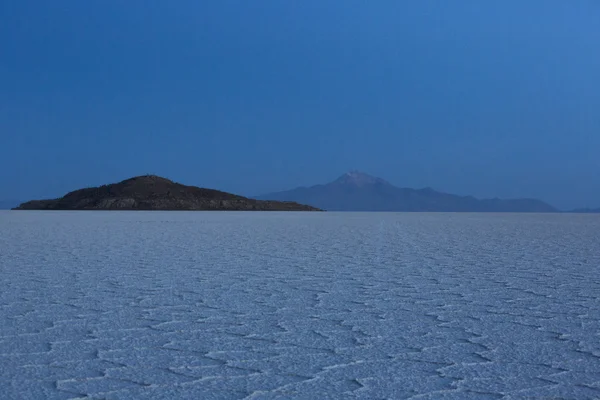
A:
<point x="163" y="305"/>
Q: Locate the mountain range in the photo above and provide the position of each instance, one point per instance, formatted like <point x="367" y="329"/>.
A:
<point x="357" y="191"/>
<point x="353" y="191"/>
<point x="152" y="192"/>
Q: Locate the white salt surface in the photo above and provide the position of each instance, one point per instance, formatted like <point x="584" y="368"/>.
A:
<point x="154" y="305"/>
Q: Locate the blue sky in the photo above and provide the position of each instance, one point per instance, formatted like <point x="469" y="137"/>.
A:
<point x="470" y="97"/>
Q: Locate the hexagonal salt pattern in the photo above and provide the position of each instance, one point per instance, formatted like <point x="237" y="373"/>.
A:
<point x="153" y="305"/>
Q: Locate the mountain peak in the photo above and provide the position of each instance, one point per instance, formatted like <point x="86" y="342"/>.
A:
<point x="357" y="191"/>
<point x="358" y="178"/>
<point x="147" y="179"/>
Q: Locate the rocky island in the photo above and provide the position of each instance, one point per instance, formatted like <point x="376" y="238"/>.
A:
<point x="152" y="192"/>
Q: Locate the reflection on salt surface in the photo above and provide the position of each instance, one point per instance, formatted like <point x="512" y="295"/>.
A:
<point x="125" y="305"/>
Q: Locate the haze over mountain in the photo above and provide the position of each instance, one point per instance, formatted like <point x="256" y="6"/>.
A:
<point x="152" y="192"/>
<point x="586" y="210"/>
<point x="357" y="191"/>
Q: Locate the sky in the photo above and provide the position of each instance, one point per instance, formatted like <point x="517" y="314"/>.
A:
<point x="493" y="99"/>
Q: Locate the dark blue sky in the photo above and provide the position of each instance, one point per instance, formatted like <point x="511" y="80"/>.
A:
<point x="485" y="98"/>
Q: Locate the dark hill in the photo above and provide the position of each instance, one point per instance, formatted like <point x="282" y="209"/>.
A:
<point x="155" y="193"/>
<point x="356" y="191"/>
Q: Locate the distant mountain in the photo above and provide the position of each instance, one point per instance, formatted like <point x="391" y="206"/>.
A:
<point x="155" y="193"/>
<point x="357" y="191"/>
<point x="586" y="210"/>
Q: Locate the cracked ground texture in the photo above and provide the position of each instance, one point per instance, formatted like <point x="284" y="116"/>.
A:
<point x="159" y="305"/>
